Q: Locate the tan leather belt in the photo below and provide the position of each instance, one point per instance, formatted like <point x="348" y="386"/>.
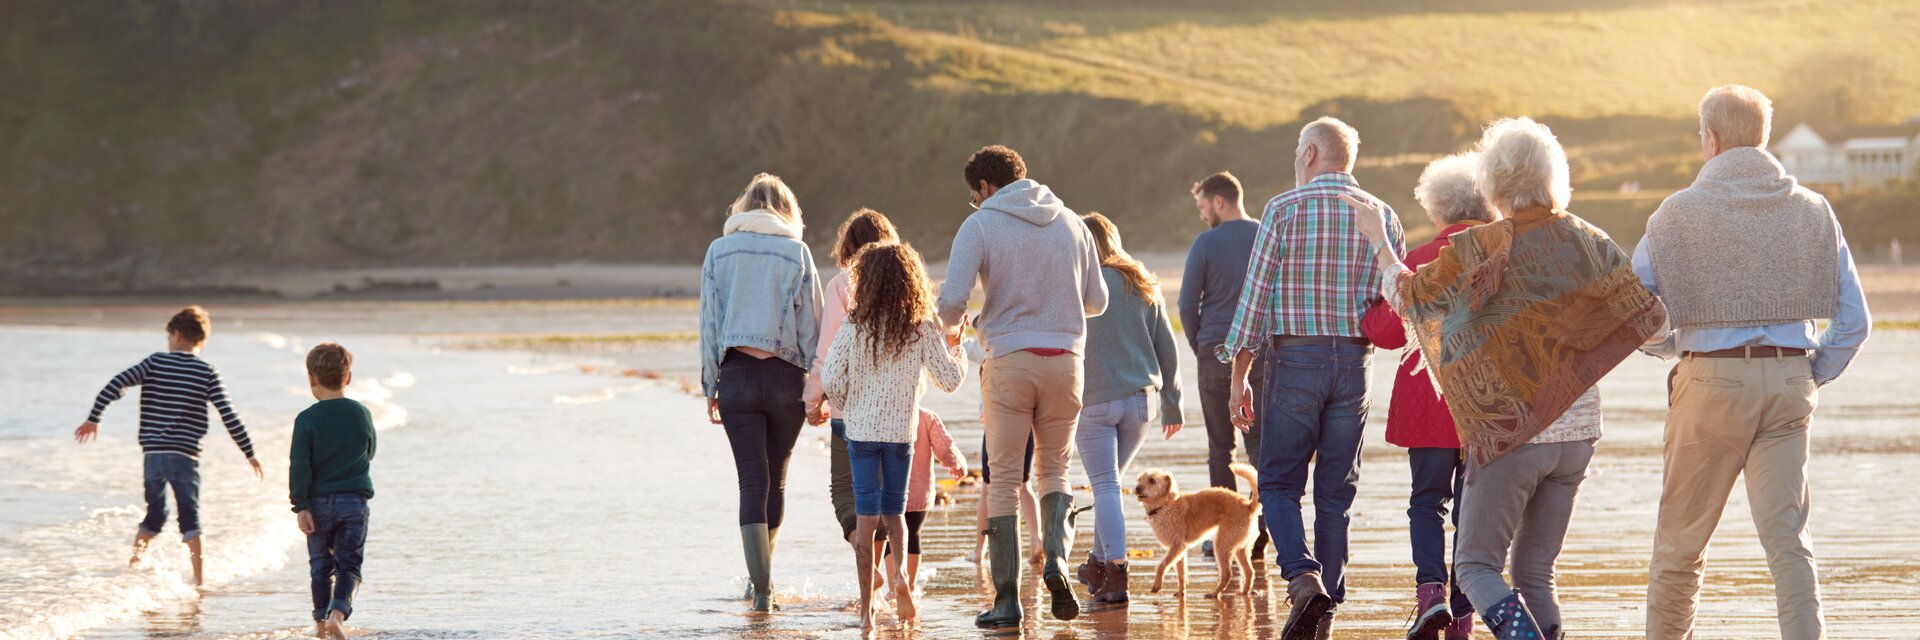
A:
<point x="1749" y="352"/>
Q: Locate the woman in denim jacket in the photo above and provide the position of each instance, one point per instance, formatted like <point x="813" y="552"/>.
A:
<point x="760" y="304"/>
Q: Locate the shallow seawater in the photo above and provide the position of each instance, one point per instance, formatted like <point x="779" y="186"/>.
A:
<point x="554" y="495"/>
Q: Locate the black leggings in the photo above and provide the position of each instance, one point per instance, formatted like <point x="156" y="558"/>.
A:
<point x="761" y="408"/>
<point x="914" y="520"/>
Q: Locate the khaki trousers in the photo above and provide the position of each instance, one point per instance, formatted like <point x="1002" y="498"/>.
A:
<point x="1029" y="394"/>
<point x="1730" y="416"/>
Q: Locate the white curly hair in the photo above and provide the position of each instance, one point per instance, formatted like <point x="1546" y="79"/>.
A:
<point x="1448" y="192"/>
<point x="1523" y="166"/>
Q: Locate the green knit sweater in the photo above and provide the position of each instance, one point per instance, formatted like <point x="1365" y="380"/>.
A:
<point x="333" y="445"/>
<point x="1130" y="348"/>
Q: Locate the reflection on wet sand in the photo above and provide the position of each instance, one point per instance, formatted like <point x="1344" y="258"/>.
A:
<point x="180" y="619"/>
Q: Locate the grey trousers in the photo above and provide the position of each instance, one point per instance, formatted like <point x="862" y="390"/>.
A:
<point x="1518" y="508"/>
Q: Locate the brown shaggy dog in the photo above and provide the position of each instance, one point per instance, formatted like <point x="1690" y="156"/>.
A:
<point x="1181" y="521"/>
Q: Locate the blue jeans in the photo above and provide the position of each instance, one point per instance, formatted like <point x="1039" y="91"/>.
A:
<point x="1314" y="412"/>
<point x="182" y="473"/>
<point x="1109" y="435"/>
<point x="334" y="551"/>
<point x="1438" y="479"/>
<point x="879" y="476"/>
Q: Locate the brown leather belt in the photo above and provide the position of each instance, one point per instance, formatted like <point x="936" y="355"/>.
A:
<point x="1304" y="341"/>
<point x="1749" y="352"/>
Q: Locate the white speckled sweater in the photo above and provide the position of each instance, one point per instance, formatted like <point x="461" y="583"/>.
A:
<point x="879" y="398"/>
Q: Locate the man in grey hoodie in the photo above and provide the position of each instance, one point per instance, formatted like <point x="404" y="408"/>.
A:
<point x="1041" y="275"/>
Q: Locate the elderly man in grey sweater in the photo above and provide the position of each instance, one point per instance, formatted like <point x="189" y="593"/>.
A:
<point x="1041" y="276"/>
<point x="1745" y="260"/>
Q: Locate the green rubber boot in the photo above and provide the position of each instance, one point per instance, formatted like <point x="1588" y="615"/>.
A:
<point x="758" y="545"/>
<point x="1057" y="536"/>
<point x="1003" y="555"/>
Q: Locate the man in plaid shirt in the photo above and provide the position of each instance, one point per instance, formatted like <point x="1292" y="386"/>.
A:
<point x="1311" y="279"/>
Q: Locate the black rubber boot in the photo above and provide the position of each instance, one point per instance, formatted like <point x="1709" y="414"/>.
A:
<point x="1003" y="555"/>
<point x="759" y="549"/>
<point x="1057" y="537"/>
<point x="1511" y="619"/>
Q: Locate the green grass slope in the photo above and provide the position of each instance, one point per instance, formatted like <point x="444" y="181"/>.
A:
<point x="168" y="143"/>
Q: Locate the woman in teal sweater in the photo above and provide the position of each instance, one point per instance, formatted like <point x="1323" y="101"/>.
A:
<point x="1130" y="355"/>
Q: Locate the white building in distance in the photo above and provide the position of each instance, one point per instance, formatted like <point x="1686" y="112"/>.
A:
<point x="1856" y="157"/>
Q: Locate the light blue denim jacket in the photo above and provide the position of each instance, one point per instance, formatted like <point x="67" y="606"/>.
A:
<point x="759" y="291"/>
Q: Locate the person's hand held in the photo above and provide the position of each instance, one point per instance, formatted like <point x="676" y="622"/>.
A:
<point x="87" y="432"/>
<point x="305" y="521"/>
<point x="959" y="472"/>
<point x="1367" y="218"/>
<point x="1171" y="429"/>
<point x="713" y="410"/>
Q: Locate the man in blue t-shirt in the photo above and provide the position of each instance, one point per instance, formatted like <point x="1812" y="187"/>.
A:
<point x="1209" y="292"/>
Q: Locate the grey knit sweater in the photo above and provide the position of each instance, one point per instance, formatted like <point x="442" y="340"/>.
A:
<point x="1746" y="245"/>
<point x="1036" y="260"/>
<point x="1131" y="348"/>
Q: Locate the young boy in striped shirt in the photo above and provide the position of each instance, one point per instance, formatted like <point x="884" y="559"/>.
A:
<point x="175" y="389"/>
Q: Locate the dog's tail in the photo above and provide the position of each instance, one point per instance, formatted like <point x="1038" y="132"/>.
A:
<point x="1253" y="479"/>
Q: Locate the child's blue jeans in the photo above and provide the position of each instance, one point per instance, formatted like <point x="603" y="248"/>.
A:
<point x="335" y="550"/>
<point x="879" y="476"/>
<point x="161" y="470"/>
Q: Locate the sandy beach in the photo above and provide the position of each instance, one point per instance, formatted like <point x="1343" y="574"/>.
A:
<point x="1894" y="294"/>
<point x="552" y="478"/>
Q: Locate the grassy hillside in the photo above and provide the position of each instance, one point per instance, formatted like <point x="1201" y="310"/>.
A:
<point x="1265" y="62"/>
<point x="166" y="143"/>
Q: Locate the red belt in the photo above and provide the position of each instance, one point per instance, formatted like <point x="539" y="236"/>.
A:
<point x="1749" y="352"/>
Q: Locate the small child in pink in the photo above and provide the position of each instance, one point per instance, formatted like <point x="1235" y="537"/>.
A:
<point x="933" y="443"/>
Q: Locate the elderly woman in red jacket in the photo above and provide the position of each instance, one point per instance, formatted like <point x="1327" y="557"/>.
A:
<point x="1418" y="419"/>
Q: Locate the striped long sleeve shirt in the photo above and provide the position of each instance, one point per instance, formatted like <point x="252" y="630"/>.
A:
<point x="1312" y="272"/>
<point x="175" y="389"/>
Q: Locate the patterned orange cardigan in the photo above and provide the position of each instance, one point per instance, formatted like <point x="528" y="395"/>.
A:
<point x="1517" y="318"/>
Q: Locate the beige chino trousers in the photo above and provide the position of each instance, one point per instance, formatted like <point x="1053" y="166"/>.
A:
<point x="1025" y="394"/>
<point x="1727" y="417"/>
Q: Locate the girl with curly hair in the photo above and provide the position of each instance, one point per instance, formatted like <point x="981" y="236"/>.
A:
<point x="875" y="374"/>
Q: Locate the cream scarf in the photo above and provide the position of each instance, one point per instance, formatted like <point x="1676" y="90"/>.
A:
<point x="762" y="221"/>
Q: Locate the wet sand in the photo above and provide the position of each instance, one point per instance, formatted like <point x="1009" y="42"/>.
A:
<point x="1892" y="293"/>
<point x="638" y="492"/>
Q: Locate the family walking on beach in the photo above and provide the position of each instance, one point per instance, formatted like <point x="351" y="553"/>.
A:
<point x="1510" y="315"/>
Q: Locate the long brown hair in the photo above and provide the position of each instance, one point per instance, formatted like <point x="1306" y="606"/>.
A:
<point x="1106" y="240"/>
<point x="862" y="228"/>
<point x="892" y="297"/>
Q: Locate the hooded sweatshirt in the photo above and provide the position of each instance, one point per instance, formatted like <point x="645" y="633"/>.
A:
<point x="1036" y="260"/>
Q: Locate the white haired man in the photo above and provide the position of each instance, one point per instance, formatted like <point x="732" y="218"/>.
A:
<point x="1312" y="278"/>
<point x="1745" y="260"/>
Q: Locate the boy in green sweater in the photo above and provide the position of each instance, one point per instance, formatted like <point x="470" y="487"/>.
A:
<point x="333" y="445"/>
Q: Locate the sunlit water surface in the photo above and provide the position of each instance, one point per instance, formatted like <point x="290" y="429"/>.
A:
<point x="553" y="495"/>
